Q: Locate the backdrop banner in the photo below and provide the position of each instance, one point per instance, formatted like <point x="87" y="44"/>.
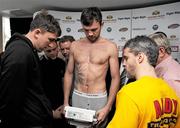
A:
<point x="121" y="25"/>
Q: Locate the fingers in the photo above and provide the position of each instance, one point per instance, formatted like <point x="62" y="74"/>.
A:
<point x="100" y="117"/>
<point x="97" y="122"/>
<point x="57" y="114"/>
<point x="100" y="121"/>
<point x="64" y="108"/>
<point x="60" y="108"/>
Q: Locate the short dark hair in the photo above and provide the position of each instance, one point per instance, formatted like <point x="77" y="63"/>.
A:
<point x="145" y="45"/>
<point x="66" y="38"/>
<point x="90" y="14"/>
<point x="46" y="22"/>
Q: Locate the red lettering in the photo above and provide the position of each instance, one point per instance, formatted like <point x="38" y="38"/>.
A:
<point x="165" y="106"/>
<point x="157" y="108"/>
<point x="162" y="103"/>
<point x="168" y="106"/>
<point x="175" y="106"/>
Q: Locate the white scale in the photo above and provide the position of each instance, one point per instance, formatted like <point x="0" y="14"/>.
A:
<point x="80" y="114"/>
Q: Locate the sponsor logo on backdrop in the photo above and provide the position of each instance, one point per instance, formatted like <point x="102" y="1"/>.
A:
<point x="173" y="38"/>
<point x="109" y="19"/>
<point x="111" y="39"/>
<point x="109" y="29"/>
<point x="78" y="20"/>
<point x="172" y="13"/>
<point x="138" y="29"/>
<point x="124" y="29"/>
<point x="58" y="19"/>
<point x="68" y="29"/>
<point x="81" y="30"/>
<point x="156" y="15"/>
<point x="155" y="27"/>
<point x="174" y="48"/>
<point x="156" y="12"/>
<point x="68" y="17"/>
<point x="173" y="26"/>
<point x="123" y="39"/>
<point x="124" y="18"/>
<point x="138" y="17"/>
<point x="68" y="20"/>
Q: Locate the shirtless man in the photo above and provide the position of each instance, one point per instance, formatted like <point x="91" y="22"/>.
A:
<point x="90" y="59"/>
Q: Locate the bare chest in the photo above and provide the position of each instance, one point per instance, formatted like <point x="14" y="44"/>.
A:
<point x="93" y="55"/>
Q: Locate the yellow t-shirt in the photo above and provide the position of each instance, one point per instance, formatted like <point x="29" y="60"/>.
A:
<point x="146" y="103"/>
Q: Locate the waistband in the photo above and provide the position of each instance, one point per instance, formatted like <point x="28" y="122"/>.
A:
<point x="97" y="95"/>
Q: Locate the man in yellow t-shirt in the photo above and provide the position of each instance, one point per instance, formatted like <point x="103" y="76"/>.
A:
<point x="149" y="102"/>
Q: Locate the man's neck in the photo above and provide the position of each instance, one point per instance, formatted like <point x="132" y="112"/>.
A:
<point x="31" y="38"/>
<point x="145" y="71"/>
<point x="164" y="58"/>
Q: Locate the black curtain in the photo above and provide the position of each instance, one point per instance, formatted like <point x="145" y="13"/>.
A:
<point x="20" y="25"/>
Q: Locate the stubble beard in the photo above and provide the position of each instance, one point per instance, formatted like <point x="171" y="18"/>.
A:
<point x="93" y="39"/>
<point x="129" y="75"/>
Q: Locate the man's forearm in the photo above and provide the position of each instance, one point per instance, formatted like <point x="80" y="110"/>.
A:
<point x="112" y="92"/>
<point x="67" y="88"/>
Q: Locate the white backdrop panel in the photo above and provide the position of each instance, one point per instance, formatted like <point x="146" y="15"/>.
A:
<point x="121" y="25"/>
<point x="165" y="18"/>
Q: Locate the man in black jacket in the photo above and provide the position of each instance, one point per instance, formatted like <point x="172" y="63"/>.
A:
<point x="23" y="103"/>
<point x="53" y="69"/>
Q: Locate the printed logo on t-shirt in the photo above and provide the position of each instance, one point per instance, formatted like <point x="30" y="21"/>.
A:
<point x="166" y="113"/>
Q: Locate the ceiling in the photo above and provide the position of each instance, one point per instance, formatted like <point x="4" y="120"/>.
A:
<point x="26" y="8"/>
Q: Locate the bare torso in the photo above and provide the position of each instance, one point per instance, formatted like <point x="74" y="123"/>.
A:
<point x="91" y="65"/>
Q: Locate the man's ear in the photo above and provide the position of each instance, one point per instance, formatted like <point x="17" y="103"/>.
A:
<point x="140" y="57"/>
<point x="37" y="33"/>
<point x="162" y="52"/>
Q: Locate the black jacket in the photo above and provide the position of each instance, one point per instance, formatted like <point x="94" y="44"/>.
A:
<point x="53" y="73"/>
<point x="22" y="99"/>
